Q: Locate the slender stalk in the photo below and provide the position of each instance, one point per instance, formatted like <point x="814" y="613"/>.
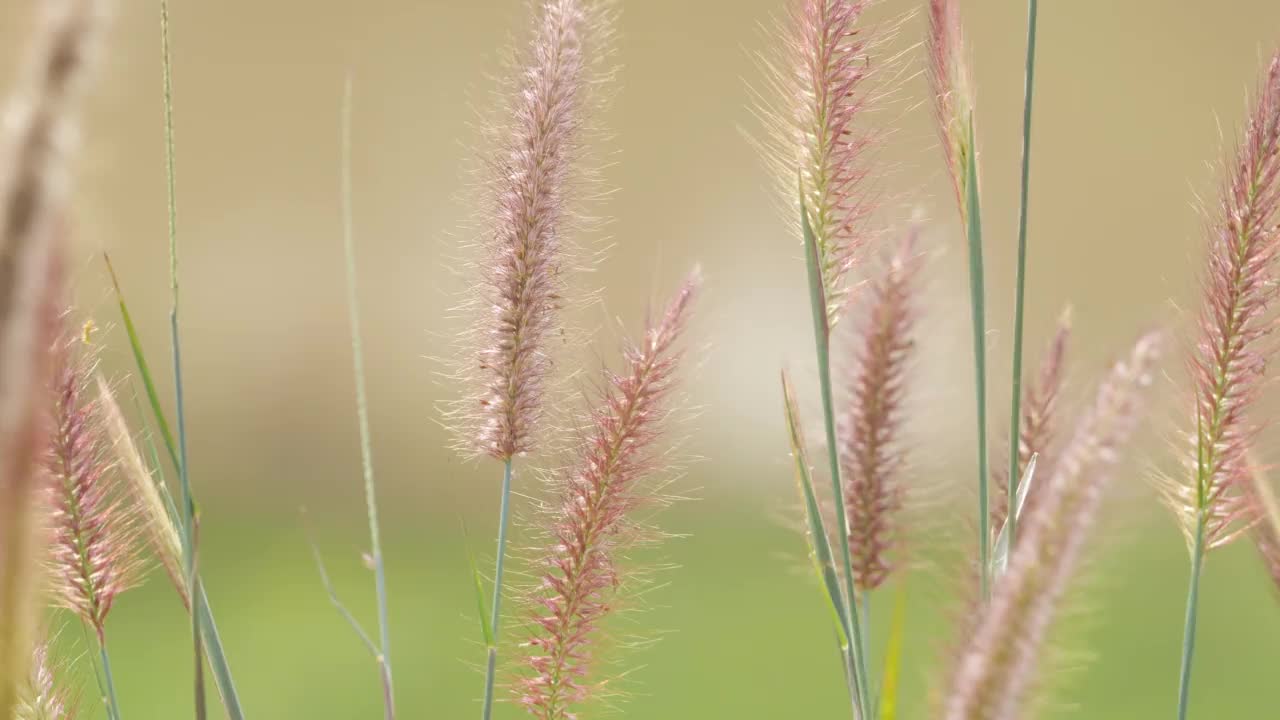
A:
<point x="504" y="513"/>
<point x="362" y="411"/>
<point x="187" y="503"/>
<point x="977" y="303"/>
<point x="822" y="347"/>
<point x="113" y="705"/>
<point x="1033" y="7"/>
<point x="1189" y="629"/>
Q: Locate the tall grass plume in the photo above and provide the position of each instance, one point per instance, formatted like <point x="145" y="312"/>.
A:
<point x="873" y="454"/>
<point x="998" y="662"/>
<point x="591" y="523"/>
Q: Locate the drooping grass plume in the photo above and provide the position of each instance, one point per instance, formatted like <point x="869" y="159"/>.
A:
<point x="535" y="179"/>
<point x="591" y="523"/>
<point x="47" y="695"/>
<point x="872" y="451"/>
<point x="156" y="511"/>
<point x="825" y="83"/>
<point x="998" y="661"/>
<point x="1228" y="359"/>
<point x="951" y="86"/>
<point x="34" y="208"/>
<point x="1039" y="426"/>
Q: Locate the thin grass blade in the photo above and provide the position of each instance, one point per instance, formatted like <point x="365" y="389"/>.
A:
<point x="1000" y="555"/>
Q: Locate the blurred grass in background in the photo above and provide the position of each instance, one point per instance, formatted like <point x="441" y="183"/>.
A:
<point x="1129" y="99"/>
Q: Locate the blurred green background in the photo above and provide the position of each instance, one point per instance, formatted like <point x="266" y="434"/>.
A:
<point x="1134" y="101"/>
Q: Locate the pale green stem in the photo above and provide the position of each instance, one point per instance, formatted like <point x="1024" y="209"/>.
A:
<point x="187" y="501"/>
<point x="1016" y="414"/>
<point x="362" y="413"/>
<point x="504" y="513"/>
<point x="977" y="304"/>
<point x="1189" y="629"/>
<point x="822" y="346"/>
<point x="113" y="705"/>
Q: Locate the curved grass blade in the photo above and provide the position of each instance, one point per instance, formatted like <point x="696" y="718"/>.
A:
<point x="1018" y="304"/>
<point x="1000" y="555"/>
<point x="977" y="302"/>
<point x="213" y="647"/>
<point x="819" y="544"/>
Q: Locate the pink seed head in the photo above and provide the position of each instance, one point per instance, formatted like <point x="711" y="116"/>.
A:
<point x="872" y="455"/>
<point x="1000" y="657"/>
<point x="591" y="525"/>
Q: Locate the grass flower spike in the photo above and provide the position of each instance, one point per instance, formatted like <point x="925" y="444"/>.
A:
<point x="998" y="662"/>
<point x="34" y="208"/>
<point x="531" y="190"/>
<point x="1036" y="432"/>
<point x="45" y="696"/>
<point x="96" y="553"/>
<point x="952" y="90"/>
<point x="825" y="85"/>
<point x="534" y="176"/>
<point x="872" y="454"/>
<point x="1228" y="360"/>
<point x="95" y="518"/>
<point x="1230" y="355"/>
<point x="591" y="526"/>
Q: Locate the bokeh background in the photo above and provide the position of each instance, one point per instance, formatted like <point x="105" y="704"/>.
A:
<point x="1134" y="101"/>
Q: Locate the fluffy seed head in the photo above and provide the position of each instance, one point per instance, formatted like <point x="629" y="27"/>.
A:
<point x="95" y="554"/>
<point x="999" y="659"/>
<point x="952" y="90"/>
<point x="155" y="521"/>
<point x="34" y="145"/>
<point x="824" y="86"/>
<point x="46" y="696"/>
<point x="531" y="173"/>
<point x="872" y="454"/>
<point x="591" y="524"/>
<point x="1037" y="430"/>
<point x="1231" y="350"/>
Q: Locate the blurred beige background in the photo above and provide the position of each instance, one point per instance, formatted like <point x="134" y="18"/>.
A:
<point x="1133" y="100"/>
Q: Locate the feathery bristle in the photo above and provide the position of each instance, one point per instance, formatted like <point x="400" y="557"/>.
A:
<point x="1266" y="535"/>
<point x="95" y="554"/>
<point x="1038" y="427"/>
<point x="952" y="90"/>
<point x="34" y="206"/>
<point x="872" y="454"/>
<point x="591" y="525"/>
<point x="155" y="520"/>
<point x="999" y="659"/>
<point x="46" y="697"/>
<point x="532" y="175"/>
<point x="823" y="86"/>
<point x="1228" y="361"/>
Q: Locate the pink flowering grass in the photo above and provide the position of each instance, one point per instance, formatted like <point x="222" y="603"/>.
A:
<point x="592" y="523"/>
